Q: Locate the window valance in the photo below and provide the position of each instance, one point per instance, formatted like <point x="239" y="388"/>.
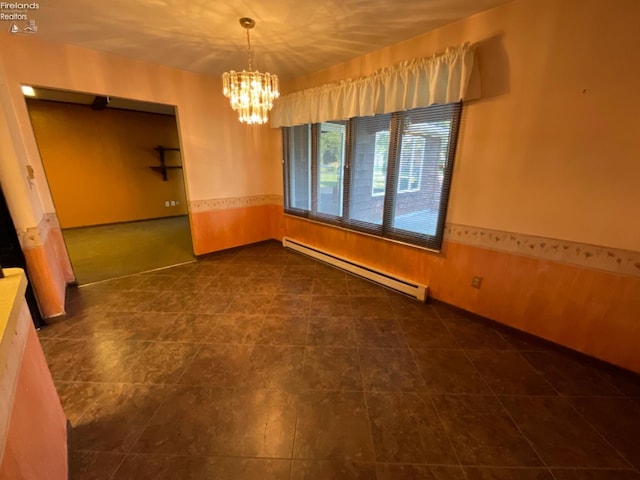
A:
<point x="420" y="82"/>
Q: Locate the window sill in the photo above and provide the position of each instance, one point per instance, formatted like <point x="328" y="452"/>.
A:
<point x="358" y="232"/>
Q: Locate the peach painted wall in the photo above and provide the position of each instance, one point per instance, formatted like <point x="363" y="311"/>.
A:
<point x="97" y="163"/>
<point x="549" y="151"/>
<point x="551" y="148"/>
<point x="36" y="442"/>
<point x="221" y="157"/>
<point x="592" y="311"/>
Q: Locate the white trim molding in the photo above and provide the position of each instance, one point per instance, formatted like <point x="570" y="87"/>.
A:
<point x="37" y="236"/>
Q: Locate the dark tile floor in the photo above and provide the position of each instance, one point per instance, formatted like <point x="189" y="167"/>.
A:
<point x="259" y="363"/>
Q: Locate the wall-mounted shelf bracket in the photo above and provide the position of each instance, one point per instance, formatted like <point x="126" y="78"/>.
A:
<point x="163" y="165"/>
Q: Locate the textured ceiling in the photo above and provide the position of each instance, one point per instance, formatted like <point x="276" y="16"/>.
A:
<point x="291" y="38"/>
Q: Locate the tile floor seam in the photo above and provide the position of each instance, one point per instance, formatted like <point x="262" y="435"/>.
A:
<point x="142" y="430"/>
<point x="444" y="429"/>
<point x="427" y="392"/>
<point x="422" y="376"/>
<point x="596" y="469"/>
<point x="115" y="470"/>
<point x="533" y="367"/>
<point x="366" y="407"/>
<point x="504" y="409"/>
<point x="565" y="398"/>
<point x="138" y="355"/>
<point x="188" y="364"/>
<point x="455" y="338"/>
<point x="296" y="266"/>
<point x="304" y="355"/>
<point x="78" y="420"/>
<point x="295" y="431"/>
<point x="611" y="384"/>
<point x="424" y="464"/>
<point x="601" y="435"/>
<point x="190" y="455"/>
<point x="505" y="338"/>
<point x="404" y="334"/>
<point x="162" y="331"/>
<point x="506" y="467"/>
<point x="210" y="332"/>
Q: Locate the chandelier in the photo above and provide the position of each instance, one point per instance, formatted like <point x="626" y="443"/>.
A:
<point x="251" y="93"/>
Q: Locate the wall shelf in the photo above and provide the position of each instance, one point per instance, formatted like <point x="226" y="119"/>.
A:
<point x="163" y="168"/>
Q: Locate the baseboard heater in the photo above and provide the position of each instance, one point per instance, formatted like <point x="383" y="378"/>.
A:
<point x="400" y="285"/>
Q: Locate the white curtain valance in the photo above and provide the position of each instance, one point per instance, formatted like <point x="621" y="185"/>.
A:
<point x="411" y="84"/>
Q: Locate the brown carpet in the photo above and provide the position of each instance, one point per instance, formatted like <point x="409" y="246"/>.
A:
<point x="110" y="251"/>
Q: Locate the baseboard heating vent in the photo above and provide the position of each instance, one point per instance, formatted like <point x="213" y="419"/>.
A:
<point x="409" y="288"/>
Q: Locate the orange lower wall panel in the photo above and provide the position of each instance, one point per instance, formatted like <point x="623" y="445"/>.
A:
<point x="219" y="229"/>
<point x="36" y="444"/>
<point x="47" y="277"/>
<point x="62" y="257"/>
<point x="277" y="222"/>
<point x="592" y="311"/>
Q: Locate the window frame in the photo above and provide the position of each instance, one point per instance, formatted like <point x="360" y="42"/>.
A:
<point x="316" y="132"/>
<point x="286" y="142"/>
<point x="451" y="112"/>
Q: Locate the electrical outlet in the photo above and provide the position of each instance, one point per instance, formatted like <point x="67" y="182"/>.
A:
<point x="166" y="204"/>
<point x="173" y="203"/>
<point x="476" y="282"/>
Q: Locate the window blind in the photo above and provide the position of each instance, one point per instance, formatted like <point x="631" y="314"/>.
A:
<point x="421" y="164"/>
<point x="386" y="175"/>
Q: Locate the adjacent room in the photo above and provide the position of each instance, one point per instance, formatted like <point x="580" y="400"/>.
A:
<point x="115" y="174"/>
<point x="370" y="241"/>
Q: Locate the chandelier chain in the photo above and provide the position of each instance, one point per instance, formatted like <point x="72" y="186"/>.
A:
<point x="249" y="51"/>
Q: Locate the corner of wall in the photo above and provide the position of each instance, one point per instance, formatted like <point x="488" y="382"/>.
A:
<point x="47" y="265"/>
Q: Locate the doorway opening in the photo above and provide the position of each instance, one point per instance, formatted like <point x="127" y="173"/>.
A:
<point x="114" y="170"/>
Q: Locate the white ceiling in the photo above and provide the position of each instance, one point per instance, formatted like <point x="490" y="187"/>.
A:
<point x="291" y="38"/>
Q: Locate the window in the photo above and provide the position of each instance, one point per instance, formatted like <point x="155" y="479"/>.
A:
<point x="386" y="175"/>
<point x="331" y="146"/>
<point x="298" y="174"/>
<point x="411" y="164"/>
<point x="380" y="158"/>
<point x="368" y="169"/>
